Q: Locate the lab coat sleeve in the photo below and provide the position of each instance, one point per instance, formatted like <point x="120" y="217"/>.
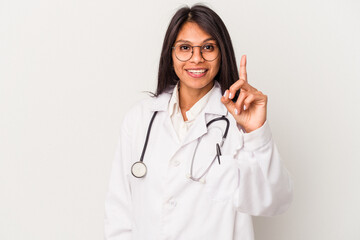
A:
<point x="118" y="209"/>
<point x="265" y="186"/>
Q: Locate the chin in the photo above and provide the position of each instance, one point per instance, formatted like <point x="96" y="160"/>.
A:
<point x="197" y="83"/>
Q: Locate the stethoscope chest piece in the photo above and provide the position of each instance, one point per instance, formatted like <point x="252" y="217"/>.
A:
<point x="139" y="169"/>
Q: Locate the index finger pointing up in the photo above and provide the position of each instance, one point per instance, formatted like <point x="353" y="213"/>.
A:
<point x="243" y="73"/>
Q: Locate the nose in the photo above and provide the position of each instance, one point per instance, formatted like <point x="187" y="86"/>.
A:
<point x="196" y="55"/>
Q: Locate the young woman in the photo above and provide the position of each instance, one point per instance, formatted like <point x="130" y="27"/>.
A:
<point x="197" y="160"/>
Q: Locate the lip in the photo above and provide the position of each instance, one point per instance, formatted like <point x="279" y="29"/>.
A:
<point x="196" y="75"/>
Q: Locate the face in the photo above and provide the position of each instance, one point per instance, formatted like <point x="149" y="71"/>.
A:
<point x="196" y="73"/>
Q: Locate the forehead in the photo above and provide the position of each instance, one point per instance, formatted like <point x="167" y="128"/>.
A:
<point x="191" y="32"/>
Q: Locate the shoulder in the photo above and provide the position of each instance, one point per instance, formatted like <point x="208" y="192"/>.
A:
<point x="138" y="110"/>
<point x="142" y="111"/>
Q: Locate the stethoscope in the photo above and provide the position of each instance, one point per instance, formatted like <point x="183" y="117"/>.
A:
<point x="139" y="170"/>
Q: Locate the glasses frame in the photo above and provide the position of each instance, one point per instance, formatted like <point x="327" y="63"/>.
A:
<point x="192" y="52"/>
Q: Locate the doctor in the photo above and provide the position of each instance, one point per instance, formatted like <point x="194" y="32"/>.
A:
<point x="178" y="174"/>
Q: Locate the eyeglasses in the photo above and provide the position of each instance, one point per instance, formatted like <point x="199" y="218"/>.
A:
<point x="184" y="51"/>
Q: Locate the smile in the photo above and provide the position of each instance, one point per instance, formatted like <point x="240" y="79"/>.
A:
<point x="196" y="72"/>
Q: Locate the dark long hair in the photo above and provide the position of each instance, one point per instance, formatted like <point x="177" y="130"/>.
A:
<point x="211" y="23"/>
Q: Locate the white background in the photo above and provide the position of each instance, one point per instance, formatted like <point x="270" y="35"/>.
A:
<point x="70" y="69"/>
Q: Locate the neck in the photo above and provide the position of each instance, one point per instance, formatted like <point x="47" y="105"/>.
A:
<point x="189" y="96"/>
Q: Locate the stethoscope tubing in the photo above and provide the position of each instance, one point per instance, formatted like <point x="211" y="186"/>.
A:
<point x="143" y="167"/>
<point x="147" y="136"/>
<point x="198" y="179"/>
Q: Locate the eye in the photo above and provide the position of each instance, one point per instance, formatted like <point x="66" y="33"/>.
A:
<point x="208" y="47"/>
<point x="185" y="47"/>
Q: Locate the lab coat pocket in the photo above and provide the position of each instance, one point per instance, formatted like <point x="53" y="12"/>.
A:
<point x="222" y="179"/>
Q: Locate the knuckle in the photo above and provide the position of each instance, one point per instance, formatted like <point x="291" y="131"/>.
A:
<point x="242" y="96"/>
<point x="238" y="82"/>
<point x="249" y="99"/>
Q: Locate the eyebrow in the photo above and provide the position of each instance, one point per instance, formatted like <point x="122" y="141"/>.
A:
<point x="186" y="41"/>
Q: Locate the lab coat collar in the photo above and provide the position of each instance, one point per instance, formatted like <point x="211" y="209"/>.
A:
<point x="214" y="106"/>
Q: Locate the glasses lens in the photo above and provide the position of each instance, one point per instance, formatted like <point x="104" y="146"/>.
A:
<point x="183" y="52"/>
<point x="210" y="51"/>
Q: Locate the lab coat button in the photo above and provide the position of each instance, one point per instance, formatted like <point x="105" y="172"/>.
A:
<point x="171" y="203"/>
<point x="175" y="163"/>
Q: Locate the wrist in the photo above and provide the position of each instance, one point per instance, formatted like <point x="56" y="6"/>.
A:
<point x="249" y="129"/>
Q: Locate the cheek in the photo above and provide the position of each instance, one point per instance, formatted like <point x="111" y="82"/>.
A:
<point x="217" y="67"/>
<point x="176" y="69"/>
<point x="177" y="66"/>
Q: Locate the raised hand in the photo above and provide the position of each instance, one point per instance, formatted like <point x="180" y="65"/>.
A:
<point x="249" y="110"/>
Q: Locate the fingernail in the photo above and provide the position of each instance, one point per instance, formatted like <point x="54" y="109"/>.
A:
<point x="244" y="107"/>
<point x="225" y="93"/>
<point x="229" y="95"/>
<point x="236" y="111"/>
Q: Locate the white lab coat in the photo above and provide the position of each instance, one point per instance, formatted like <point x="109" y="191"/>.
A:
<point x="166" y="204"/>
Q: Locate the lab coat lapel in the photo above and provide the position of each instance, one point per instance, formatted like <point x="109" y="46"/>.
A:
<point x="197" y="129"/>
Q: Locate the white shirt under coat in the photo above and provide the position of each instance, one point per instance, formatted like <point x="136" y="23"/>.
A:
<point x="166" y="204"/>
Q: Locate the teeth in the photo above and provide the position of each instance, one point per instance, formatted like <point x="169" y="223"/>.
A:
<point x="197" y="71"/>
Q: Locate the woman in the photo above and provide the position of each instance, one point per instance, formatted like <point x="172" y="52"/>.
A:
<point x="205" y="174"/>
